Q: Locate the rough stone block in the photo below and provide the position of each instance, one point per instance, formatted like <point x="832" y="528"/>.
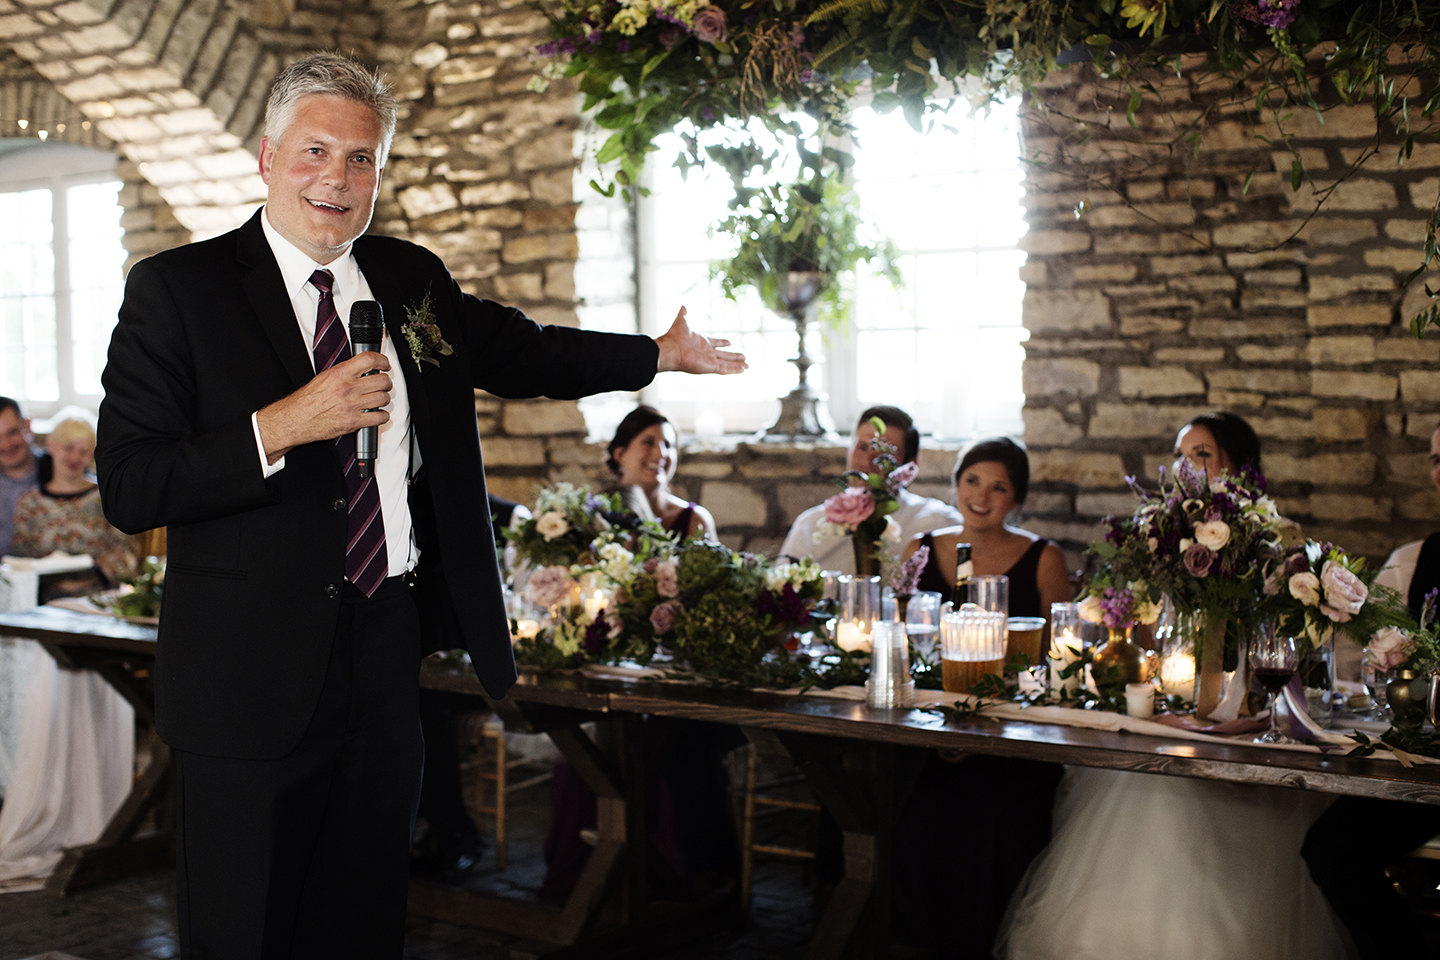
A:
<point x="1050" y="242"/>
<point x="1043" y="503"/>
<point x="1106" y="272"/>
<point x="1339" y="424"/>
<point x="1422" y="194"/>
<point x="1066" y="532"/>
<point x="514" y="452"/>
<point x="1422" y="425"/>
<point x="1261" y="298"/>
<point x="1340" y="506"/>
<point x="1349" y="315"/>
<point x="1252" y="328"/>
<point x="1261" y="381"/>
<point x="1421" y="385"/>
<point x="1235" y="400"/>
<point x="1105" y="504"/>
<point x="704" y="469"/>
<point x="1409" y="469"/>
<point x="1254" y="233"/>
<point x="519" y="489"/>
<point x="1045" y="427"/>
<point x="1366" y="386"/>
<point x="1273" y="278"/>
<point x="1134" y="421"/>
<point x="1150" y="243"/>
<point x="797" y="498"/>
<point x="1331" y="469"/>
<point x="1255" y="353"/>
<point x="1159" y="382"/>
<point x="547" y="246"/>
<point x="518" y="286"/>
<point x="1048" y="377"/>
<point x="1399" y="259"/>
<point x="1190" y="354"/>
<point x="1420" y="505"/>
<point x="733" y="504"/>
<point x="555" y="186"/>
<point x="1334" y="288"/>
<point x="424" y="201"/>
<point x="494" y="194"/>
<point x="1143" y="325"/>
<point x="1066" y="310"/>
<point x="1337" y="232"/>
<point x="1343" y="350"/>
<point x="543" y="417"/>
<point x="1082" y="469"/>
<point x="1204" y="283"/>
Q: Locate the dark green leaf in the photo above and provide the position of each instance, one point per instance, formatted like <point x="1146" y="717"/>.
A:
<point x="1297" y="174"/>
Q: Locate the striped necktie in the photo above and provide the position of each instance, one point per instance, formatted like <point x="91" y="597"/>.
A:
<point x="366" y="562"/>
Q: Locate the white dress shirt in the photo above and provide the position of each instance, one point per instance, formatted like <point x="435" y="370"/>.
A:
<point x="392" y="459"/>
<point x="809" y="535"/>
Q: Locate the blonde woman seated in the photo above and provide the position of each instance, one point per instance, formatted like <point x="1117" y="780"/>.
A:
<point x="643" y="456"/>
<point x="65" y="515"/>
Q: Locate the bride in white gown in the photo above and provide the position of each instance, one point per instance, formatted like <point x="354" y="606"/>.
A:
<point x="1145" y="865"/>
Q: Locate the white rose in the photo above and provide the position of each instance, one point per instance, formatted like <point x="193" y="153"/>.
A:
<point x="1213" y="534"/>
<point x="1305" y="587"/>
<point x="1090" y="609"/>
<point x="1146" y="612"/>
<point x="552" y="525"/>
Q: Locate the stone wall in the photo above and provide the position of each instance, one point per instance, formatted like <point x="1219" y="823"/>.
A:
<point x="1162" y="283"/>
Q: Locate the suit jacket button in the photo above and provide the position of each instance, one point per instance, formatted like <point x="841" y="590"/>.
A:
<point x="332" y="591"/>
<point x="339" y="503"/>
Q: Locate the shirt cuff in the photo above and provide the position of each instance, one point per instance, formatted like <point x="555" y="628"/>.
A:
<point x="267" y="468"/>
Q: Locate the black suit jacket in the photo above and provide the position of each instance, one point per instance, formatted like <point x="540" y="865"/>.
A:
<point x="206" y="336"/>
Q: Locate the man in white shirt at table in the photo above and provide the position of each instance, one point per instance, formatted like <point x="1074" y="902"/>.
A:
<point x="810" y="536"/>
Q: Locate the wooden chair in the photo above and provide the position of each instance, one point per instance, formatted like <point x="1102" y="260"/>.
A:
<point x="757" y="796"/>
<point x="494" y="769"/>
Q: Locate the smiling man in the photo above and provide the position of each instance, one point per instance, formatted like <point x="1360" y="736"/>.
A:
<point x="299" y="596"/>
<point x="19" y="467"/>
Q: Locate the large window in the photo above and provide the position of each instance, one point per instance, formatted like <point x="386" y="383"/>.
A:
<point x="947" y="346"/>
<point x="61" y="278"/>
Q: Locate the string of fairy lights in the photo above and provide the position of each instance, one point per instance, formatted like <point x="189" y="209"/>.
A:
<point x="42" y="128"/>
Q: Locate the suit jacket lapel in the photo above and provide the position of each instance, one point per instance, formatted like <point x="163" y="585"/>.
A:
<point x="391" y="297"/>
<point x="265" y="288"/>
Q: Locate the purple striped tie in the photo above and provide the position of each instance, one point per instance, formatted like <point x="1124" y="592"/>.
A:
<point x="366" y="563"/>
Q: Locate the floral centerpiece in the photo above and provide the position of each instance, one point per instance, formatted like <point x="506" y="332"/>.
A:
<point x="1118" y="605"/>
<point x="140" y="596"/>
<point x="1206" y="543"/>
<point x="862" y="509"/>
<point x="1316" y="589"/>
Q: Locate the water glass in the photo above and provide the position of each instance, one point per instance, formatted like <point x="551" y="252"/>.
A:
<point x="991" y="592"/>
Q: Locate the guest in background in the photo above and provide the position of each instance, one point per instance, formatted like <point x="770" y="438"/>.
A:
<point x="1349" y="848"/>
<point x="808" y="536"/>
<point x="64" y="514"/>
<point x="1219" y="442"/>
<point x="942" y="860"/>
<point x="19" y="466"/>
<point x="644" y="455"/>
<point x="992" y="479"/>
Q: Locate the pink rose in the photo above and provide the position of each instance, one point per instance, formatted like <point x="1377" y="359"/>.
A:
<point x="550" y="585"/>
<point x="1345" y="594"/>
<point x="850" y="508"/>
<point x="1198" y="560"/>
<point x="665" y="581"/>
<point x="663" y="617"/>
<point x="710" y="24"/>
<point x="1389" y="648"/>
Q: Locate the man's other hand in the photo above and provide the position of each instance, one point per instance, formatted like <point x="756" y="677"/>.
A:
<point x="685" y="350"/>
<point x="337" y="401"/>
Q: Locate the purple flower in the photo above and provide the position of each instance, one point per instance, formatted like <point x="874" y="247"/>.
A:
<point x="787" y="606"/>
<point x="663" y="617"/>
<point x="1276" y="13"/>
<point x="797" y="36"/>
<point x="707" y="115"/>
<point x="1198" y="560"/>
<point x="710" y="25"/>
<point x="595" y="635"/>
<point x="902" y="476"/>
<point x="623" y="46"/>
<point x="907" y="578"/>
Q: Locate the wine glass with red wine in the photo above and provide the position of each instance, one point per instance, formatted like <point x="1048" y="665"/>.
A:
<point x="1273" y="658"/>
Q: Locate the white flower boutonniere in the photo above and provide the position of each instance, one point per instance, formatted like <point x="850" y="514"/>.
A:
<point x="422" y="333"/>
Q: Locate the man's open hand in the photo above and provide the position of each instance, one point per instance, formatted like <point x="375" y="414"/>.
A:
<point x="337" y="401"/>
<point x="685" y="350"/>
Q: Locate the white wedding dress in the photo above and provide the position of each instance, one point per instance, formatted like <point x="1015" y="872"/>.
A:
<point x="1144" y="866"/>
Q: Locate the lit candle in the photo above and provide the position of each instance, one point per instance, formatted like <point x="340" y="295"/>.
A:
<point x="848" y="637"/>
<point x="1064" y="650"/>
<point x="594" y="604"/>
<point x="526" y="629"/>
<point x="1177" y="675"/>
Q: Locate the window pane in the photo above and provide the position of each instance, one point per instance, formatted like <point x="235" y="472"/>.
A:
<point x="97" y="260"/>
<point x="27" y="296"/>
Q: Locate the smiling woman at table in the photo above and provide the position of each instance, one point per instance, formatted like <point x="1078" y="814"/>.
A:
<point x="643" y="456"/>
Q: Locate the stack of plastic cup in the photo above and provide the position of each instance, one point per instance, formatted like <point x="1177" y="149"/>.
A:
<point x="889" y="684"/>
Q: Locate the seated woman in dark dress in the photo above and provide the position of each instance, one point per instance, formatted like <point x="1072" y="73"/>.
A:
<point x="643" y="457"/>
<point x="693" y="844"/>
<point x="991" y="482"/>
<point x="973" y="823"/>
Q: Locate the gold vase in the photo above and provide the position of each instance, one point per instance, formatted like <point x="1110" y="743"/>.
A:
<point x="1209" y="664"/>
<point x="1118" y="662"/>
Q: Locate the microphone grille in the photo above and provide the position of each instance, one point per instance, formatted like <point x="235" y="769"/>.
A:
<point x="367" y="322"/>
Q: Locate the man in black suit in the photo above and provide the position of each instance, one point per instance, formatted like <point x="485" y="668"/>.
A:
<point x="300" y="594"/>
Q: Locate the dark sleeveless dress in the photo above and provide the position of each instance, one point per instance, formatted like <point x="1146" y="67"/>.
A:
<point x="1024" y="585"/>
<point x="681" y="524"/>
<point x="969" y="830"/>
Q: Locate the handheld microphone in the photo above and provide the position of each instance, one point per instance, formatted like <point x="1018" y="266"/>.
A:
<point x="367" y="329"/>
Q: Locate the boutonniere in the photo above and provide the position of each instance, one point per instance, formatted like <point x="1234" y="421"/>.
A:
<point x="422" y="333"/>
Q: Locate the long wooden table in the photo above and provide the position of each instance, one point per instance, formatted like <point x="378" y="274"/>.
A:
<point x="860" y="762"/>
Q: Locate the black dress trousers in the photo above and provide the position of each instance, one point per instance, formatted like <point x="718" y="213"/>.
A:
<point x="307" y="856"/>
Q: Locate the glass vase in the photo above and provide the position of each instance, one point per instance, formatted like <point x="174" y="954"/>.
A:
<point x="1200" y="635"/>
<point x="1317" y="676"/>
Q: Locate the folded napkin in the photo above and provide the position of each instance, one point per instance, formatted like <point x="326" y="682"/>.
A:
<point x="57" y="562"/>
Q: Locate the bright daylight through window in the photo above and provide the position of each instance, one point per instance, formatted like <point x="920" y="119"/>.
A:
<point x="60" y="274"/>
<point x="951" y="201"/>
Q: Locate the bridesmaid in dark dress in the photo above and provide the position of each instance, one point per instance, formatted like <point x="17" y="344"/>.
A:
<point x="693" y="844"/>
<point x="974" y="823"/>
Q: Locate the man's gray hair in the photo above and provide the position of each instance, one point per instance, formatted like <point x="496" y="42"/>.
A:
<point x="326" y="73"/>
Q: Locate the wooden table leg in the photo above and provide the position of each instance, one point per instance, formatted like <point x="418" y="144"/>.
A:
<point x="863" y="785"/>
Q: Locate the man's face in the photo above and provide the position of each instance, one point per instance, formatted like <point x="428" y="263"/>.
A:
<point x="862" y="458"/>
<point x="1435" y="459"/>
<point x="15" y="452"/>
<point x="322" y="175"/>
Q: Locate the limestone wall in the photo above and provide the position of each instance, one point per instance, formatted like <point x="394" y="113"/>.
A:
<point x="1162" y="283"/>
